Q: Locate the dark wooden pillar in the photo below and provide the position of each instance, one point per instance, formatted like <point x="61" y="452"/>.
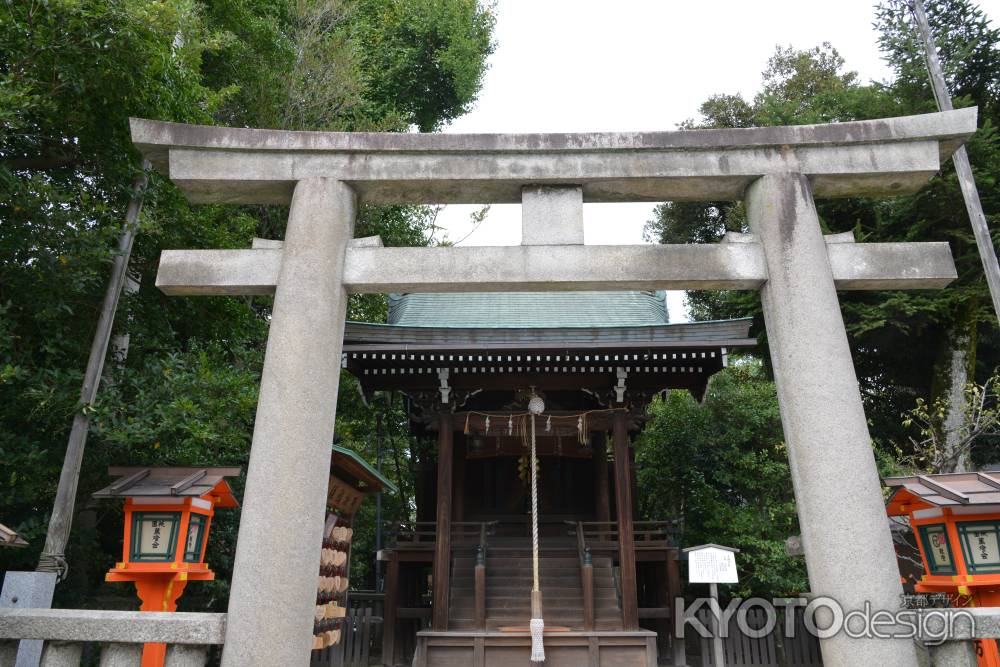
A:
<point x="673" y="592"/>
<point x="391" y="604"/>
<point x="442" y="546"/>
<point x="626" y="534"/>
<point x="458" y="490"/>
<point x="602" y="495"/>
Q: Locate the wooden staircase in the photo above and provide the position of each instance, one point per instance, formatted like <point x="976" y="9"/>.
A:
<point x="508" y="587"/>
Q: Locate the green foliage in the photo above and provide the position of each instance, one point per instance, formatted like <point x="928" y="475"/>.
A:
<point x="967" y="45"/>
<point x="938" y="450"/>
<point x="449" y="39"/>
<point x="71" y="74"/>
<point x="721" y="467"/>
<point x="901" y="341"/>
<point x="365" y="426"/>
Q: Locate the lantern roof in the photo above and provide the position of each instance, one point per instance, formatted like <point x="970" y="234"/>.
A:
<point x="943" y="490"/>
<point x="350" y="466"/>
<point x="209" y="483"/>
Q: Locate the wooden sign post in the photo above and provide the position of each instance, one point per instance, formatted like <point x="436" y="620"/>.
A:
<point x="713" y="564"/>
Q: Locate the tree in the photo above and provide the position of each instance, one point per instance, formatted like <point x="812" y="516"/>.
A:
<point x="905" y="344"/>
<point x="71" y="74"/>
<point x="944" y="447"/>
<point x="721" y="468"/>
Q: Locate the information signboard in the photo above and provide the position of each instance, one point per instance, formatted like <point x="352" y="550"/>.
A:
<point x="712" y="565"/>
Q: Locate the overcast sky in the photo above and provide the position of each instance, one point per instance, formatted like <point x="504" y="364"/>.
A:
<point x="584" y="65"/>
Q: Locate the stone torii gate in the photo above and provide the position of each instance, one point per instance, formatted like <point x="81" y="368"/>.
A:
<point x="776" y="171"/>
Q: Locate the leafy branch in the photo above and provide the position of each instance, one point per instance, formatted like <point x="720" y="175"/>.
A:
<point x="939" y="449"/>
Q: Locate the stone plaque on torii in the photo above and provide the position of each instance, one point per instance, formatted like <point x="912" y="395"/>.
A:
<point x="777" y="171"/>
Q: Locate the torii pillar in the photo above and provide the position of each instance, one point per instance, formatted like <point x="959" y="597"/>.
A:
<point x="838" y="494"/>
<point x="776" y="170"/>
<point x="274" y="576"/>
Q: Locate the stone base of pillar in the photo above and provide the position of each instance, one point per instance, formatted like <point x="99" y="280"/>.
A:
<point x="28" y="590"/>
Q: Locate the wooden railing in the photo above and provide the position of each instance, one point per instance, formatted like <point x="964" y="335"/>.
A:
<point x="586" y="577"/>
<point x="480" y="578"/>
<point x="465" y="535"/>
<point x="121" y="634"/>
<point x="422" y="534"/>
<point x="603" y="535"/>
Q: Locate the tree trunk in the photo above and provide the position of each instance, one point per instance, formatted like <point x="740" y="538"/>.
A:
<point x="955" y="370"/>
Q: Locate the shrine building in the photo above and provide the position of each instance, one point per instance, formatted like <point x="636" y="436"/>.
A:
<point x="459" y="579"/>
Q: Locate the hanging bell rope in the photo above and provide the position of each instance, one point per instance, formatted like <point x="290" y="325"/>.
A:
<point x="535" y="407"/>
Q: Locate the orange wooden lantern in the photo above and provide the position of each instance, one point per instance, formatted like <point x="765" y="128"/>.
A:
<point x="168" y="515"/>
<point x="956" y="520"/>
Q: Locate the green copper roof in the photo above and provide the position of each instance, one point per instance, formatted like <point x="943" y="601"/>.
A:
<point x="357" y="458"/>
<point x="497" y="310"/>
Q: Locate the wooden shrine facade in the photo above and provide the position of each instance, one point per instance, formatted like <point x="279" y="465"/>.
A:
<point x="460" y="569"/>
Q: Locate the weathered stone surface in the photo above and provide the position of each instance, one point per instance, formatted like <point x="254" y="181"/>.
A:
<point x="232" y="272"/>
<point x="273" y="592"/>
<point x="121" y="655"/>
<point x="8" y="653"/>
<point x="180" y="655"/>
<point x="276" y="244"/>
<point x="554" y="268"/>
<point x="62" y="654"/>
<point x="28" y="590"/>
<point x="551" y="215"/>
<point x="954" y="654"/>
<point x="154" y="138"/>
<point x="214" y="164"/>
<point x="965" y="623"/>
<point x="879" y="266"/>
<point x="86" y="625"/>
<point x="845" y="533"/>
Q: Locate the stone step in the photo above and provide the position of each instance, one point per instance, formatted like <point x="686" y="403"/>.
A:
<point x="525" y="601"/>
<point x="548" y="601"/>
<point x="551" y="619"/>
<point x="507" y="570"/>
<point x="557" y="591"/>
<point x="522" y="560"/>
<point x="515" y="591"/>
<point x="561" y="577"/>
<point x="468" y="624"/>
<point x="600" y="611"/>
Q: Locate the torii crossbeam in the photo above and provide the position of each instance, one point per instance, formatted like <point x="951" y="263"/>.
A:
<point x="776" y="171"/>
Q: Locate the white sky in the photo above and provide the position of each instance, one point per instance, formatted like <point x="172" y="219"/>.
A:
<point x="586" y="65"/>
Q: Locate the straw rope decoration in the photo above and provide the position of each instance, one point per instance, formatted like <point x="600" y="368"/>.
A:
<point x="518" y="422"/>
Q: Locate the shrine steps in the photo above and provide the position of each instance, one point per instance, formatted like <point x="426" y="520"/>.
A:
<point x="562" y="649"/>
<point x="508" y="591"/>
